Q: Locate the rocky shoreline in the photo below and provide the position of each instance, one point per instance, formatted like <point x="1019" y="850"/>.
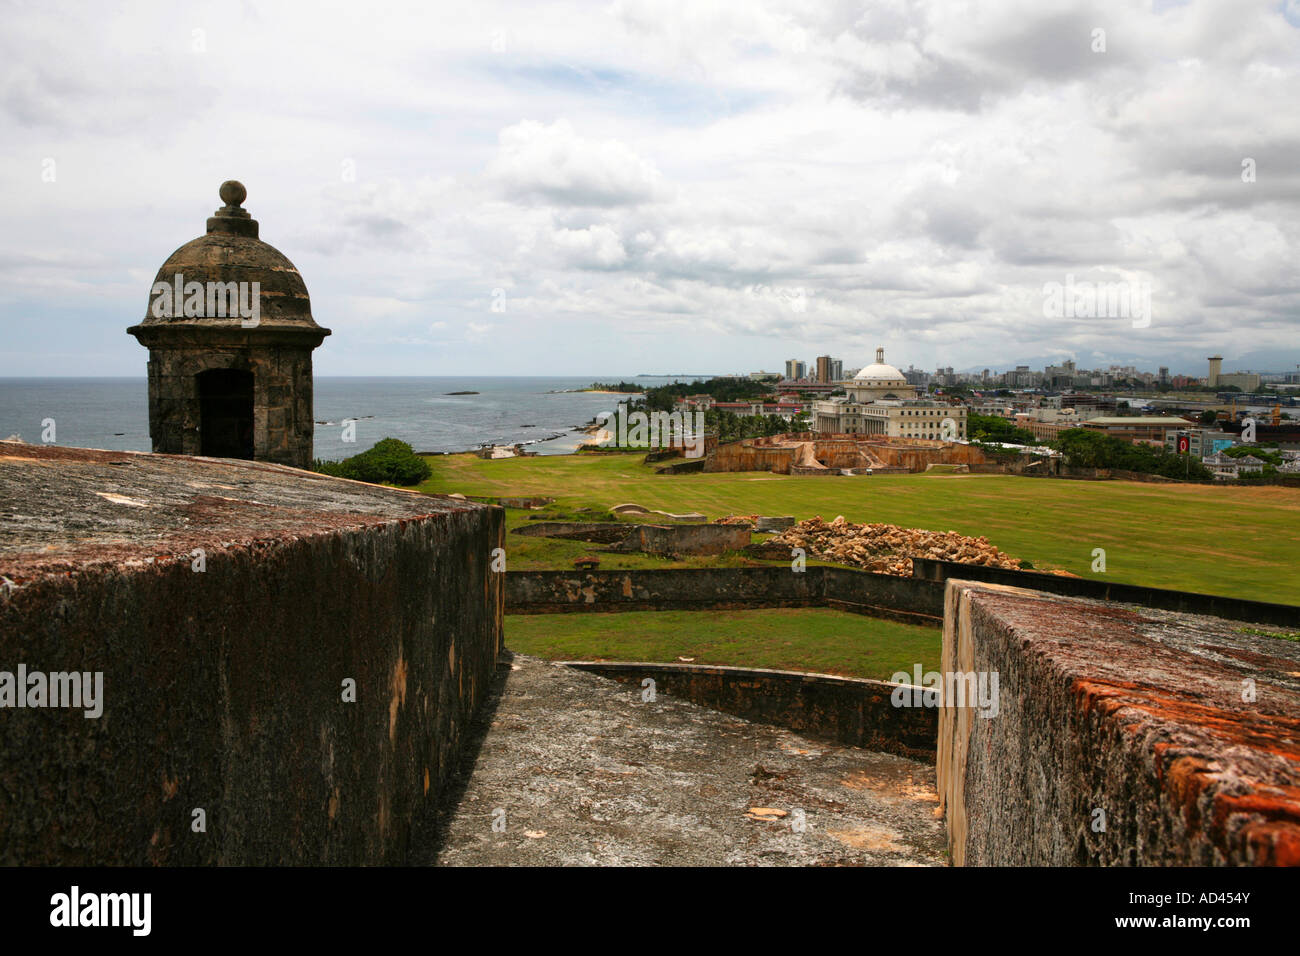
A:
<point x="596" y="430"/>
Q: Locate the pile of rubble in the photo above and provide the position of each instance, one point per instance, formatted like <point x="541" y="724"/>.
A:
<point x="745" y="520"/>
<point x="887" y="548"/>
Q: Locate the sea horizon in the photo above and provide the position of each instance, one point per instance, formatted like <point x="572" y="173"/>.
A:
<point x="542" y="412"/>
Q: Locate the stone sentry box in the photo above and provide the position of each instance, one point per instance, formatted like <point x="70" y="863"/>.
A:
<point x="231" y="385"/>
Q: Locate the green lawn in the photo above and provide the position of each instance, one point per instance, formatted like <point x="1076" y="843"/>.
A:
<point x="1216" y="540"/>
<point x="800" y="639"/>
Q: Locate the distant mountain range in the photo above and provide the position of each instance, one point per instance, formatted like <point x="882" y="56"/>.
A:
<point x="1183" y="363"/>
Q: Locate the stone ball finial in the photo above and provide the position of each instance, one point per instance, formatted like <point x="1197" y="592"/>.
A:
<point x="233" y="192"/>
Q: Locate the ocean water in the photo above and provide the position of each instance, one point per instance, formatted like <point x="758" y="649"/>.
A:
<point x="113" y="413"/>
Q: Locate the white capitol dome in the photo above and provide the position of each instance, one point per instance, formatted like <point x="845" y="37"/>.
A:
<point x="879" y="373"/>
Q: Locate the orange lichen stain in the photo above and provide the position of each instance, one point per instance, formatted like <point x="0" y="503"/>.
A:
<point x="426" y="781"/>
<point x="169" y="787"/>
<point x="1274" y="733"/>
<point x="892" y="788"/>
<point x="1269" y="834"/>
<point x="1185" y="781"/>
<point x="1279" y="808"/>
<point x="861" y="780"/>
<point x="1090" y="694"/>
<point x="1273" y="844"/>
<point x="333" y="807"/>
<point x="867" y="838"/>
<point x="398" y="698"/>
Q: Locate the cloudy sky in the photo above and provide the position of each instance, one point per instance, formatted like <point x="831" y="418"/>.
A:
<point x="627" y="187"/>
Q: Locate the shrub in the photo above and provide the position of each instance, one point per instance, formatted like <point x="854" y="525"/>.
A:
<point x="389" y="462"/>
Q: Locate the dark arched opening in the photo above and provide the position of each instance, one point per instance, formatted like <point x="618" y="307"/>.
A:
<point x="226" y="408"/>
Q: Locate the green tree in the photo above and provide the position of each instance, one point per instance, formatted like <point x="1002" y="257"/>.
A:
<point x="662" y="397"/>
<point x="1089" y="448"/>
<point x="389" y="462"/>
<point x="993" y="428"/>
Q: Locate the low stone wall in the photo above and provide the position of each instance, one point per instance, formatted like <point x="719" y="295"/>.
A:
<point x="226" y="687"/>
<point x="918" y="599"/>
<point x="1119" y="737"/>
<point x="909" y="600"/>
<point x="674" y="539"/>
<point x="845" y="710"/>
<point x="879" y="595"/>
<point x="685" y="539"/>
<point x="528" y="504"/>
<point x="1259" y="612"/>
<point x="599" y="532"/>
<point x="689" y="466"/>
<point x="549" y="592"/>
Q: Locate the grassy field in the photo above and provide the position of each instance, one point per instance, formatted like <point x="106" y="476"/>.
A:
<point x="801" y="639"/>
<point x="1216" y="540"/>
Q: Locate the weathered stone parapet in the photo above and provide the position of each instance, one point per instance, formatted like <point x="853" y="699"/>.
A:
<point x="227" y="605"/>
<point x="1188" y="602"/>
<point x="1122" y="736"/>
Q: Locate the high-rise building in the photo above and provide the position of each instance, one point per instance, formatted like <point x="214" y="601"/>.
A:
<point x="1216" y="366"/>
<point x="795" y="369"/>
<point x="1060" y="376"/>
<point x="823" y="369"/>
<point x="837" y="370"/>
<point x="916" y="376"/>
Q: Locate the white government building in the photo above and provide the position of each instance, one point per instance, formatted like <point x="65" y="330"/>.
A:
<point x="879" y="401"/>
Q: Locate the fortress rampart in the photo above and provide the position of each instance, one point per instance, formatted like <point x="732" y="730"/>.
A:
<point x="295" y="656"/>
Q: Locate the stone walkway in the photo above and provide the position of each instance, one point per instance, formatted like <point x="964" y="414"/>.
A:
<point x="579" y="770"/>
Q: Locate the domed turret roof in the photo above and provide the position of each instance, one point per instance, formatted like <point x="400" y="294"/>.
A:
<point x="232" y="252"/>
<point x="879" y="373"/>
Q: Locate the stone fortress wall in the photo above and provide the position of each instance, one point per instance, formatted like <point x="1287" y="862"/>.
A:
<point x="812" y="453"/>
<point x="305" y="685"/>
